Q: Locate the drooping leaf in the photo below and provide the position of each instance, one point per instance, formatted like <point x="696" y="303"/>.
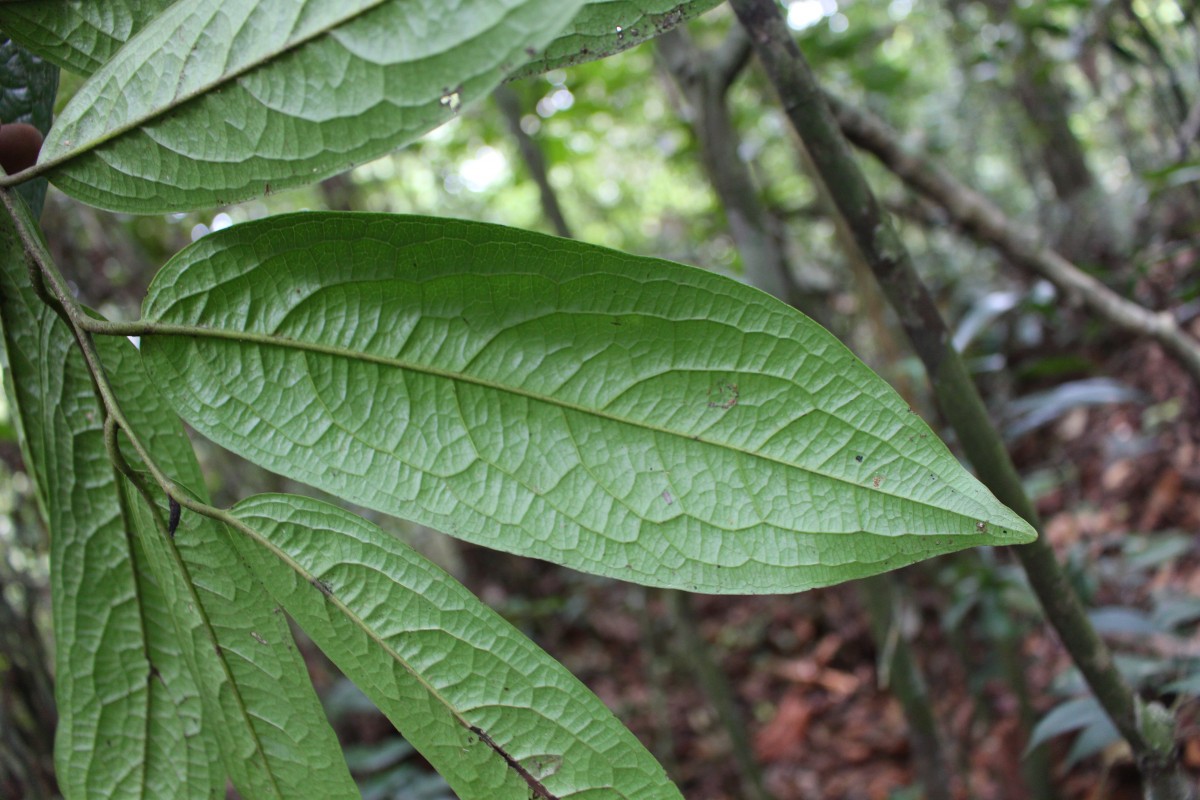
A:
<point x="1091" y="740"/>
<point x="1070" y="715"/>
<point x="1123" y="621"/>
<point x="620" y="415"/>
<point x="80" y="35"/>
<point x="27" y="89"/>
<point x="1083" y="714"/>
<point x="216" y="102"/>
<point x="605" y="27"/>
<point x="129" y="714"/>
<point x="494" y="714"/>
<point x="274" y="738"/>
<point x="1189" y="684"/>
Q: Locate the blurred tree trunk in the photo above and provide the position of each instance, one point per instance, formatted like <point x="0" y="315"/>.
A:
<point x="703" y="80"/>
<point x="535" y="161"/>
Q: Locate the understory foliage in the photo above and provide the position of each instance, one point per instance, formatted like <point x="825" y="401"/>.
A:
<point x="621" y="415"/>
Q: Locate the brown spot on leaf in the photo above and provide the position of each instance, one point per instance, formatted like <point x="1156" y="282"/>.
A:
<point x="723" y="395"/>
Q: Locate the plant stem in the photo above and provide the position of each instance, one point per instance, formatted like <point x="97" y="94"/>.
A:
<point x="1150" y="737"/>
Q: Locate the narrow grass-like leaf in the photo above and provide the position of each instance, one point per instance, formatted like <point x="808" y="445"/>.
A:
<point x="620" y="415"/>
<point x="605" y="27"/>
<point x="215" y="102"/>
<point x="494" y="714"/>
<point x="274" y="738"/>
<point x="129" y="714"/>
<point x="80" y="35"/>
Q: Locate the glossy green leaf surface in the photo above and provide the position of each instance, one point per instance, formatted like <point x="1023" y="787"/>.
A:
<point x="274" y="739"/>
<point x="605" y="27"/>
<point x="494" y="714"/>
<point x="621" y="415"/>
<point x="216" y="102"/>
<point x="119" y="733"/>
<point x="80" y="35"/>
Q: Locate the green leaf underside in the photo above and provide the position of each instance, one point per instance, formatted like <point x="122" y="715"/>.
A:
<point x="82" y="36"/>
<point x="79" y="35"/>
<point x="216" y="102"/>
<point x="275" y="740"/>
<point x="619" y="415"/>
<point x="605" y="27"/>
<point x="129" y="714"/>
<point x="441" y="665"/>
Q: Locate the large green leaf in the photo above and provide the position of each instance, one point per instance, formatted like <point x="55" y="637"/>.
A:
<point x="130" y="718"/>
<point x="494" y="714"/>
<point x="605" y="27"/>
<point x="77" y="34"/>
<point x="621" y="415"/>
<point x="274" y="738"/>
<point x="215" y="102"/>
<point x="82" y="35"/>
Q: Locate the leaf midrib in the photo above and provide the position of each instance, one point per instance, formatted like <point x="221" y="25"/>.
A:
<point x="263" y="765"/>
<point x="288" y="343"/>
<point x="301" y="570"/>
<point x="204" y="89"/>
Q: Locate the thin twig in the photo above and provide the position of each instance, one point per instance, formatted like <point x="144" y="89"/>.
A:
<point x="730" y="58"/>
<point x="535" y="160"/>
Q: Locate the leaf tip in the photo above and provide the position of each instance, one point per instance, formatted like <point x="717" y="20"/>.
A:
<point x="1014" y="531"/>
